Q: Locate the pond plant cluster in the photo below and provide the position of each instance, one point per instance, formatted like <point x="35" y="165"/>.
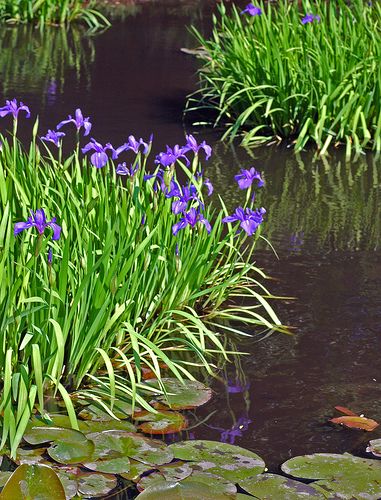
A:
<point x="308" y="73"/>
<point x="58" y="12"/>
<point x="108" y="269"/>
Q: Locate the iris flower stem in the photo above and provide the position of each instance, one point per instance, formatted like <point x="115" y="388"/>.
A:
<point x="14" y="142"/>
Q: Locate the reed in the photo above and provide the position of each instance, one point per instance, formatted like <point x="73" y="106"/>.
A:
<point x="52" y="12"/>
<point x="124" y="286"/>
<point x="279" y="75"/>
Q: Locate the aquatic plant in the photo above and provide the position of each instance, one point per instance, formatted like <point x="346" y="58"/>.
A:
<point x="306" y="75"/>
<point x="116" y="280"/>
<point x="52" y="12"/>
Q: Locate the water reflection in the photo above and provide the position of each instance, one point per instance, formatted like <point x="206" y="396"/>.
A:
<point x="312" y="205"/>
<point x="41" y="61"/>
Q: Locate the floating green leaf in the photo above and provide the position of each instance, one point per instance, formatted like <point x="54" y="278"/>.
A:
<point x="181" y="491"/>
<point x="164" y="422"/>
<point x="33" y="456"/>
<point x="217" y="484"/>
<point x="136" y="470"/>
<point x="85" y="426"/>
<point x="344" y="475"/>
<point x="4" y="476"/>
<point x="93" y="412"/>
<point x="90" y="484"/>
<point x="69" y="446"/>
<point x="272" y="486"/>
<point x="226" y="460"/>
<point x="37" y="482"/>
<point x="113" y="449"/>
<point x="184" y="395"/>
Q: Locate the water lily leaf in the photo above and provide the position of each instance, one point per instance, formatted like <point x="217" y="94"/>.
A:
<point x="4" y="476"/>
<point x="374" y="447"/>
<point x="217" y="484"/>
<point x="181" y="491"/>
<point x="366" y="424"/>
<point x="346" y="475"/>
<point x="85" y="426"/>
<point x="34" y="456"/>
<point x="69" y="446"/>
<point x="270" y="486"/>
<point x="136" y="470"/>
<point x="113" y="449"/>
<point x="39" y="482"/>
<point x="164" y="422"/>
<point x="91" y="484"/>
<point x="120" y="410"/>
<point x="173" y="472"/>
<point x="226" y="460"/>
<point x="182" y="396"/>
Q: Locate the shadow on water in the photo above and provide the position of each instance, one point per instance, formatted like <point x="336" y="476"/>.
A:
<point x="323" y="219"/>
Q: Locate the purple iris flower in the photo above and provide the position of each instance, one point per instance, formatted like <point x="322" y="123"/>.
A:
<point x="252" y="10"/>
<point x="192" y="145"/>
<point x="99" y="158"/>
<point x="171" y="156"/>
<point x="249" y="219"/>
<point x="246" y="177"/>
<point x="184" y="194"/>
<point x="132" y="144"/>
<point x="159" y="182"/>
<point x="14" y="108"/>
<point x="54" y="137"/>
<point x="122" y="169"/>
<point x="191" y="218"/>
<point x="38" y="220"/>
<point x="50" y="256"/>
<point x="78" y="121"/>
<point x="210" y="187"/>
<point x="310" y="18"/>
<point x="236" y="387"/>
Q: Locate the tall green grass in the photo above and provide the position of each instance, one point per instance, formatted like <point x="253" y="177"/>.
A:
<point x="52" y="12"/>
<point x="271" y="77"/>
<point x="121" y="290"/>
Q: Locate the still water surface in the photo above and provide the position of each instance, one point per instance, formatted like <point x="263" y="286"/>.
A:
<point x="323" y="219"/>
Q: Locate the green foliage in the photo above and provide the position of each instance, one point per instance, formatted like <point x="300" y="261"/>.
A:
<point x="272" y="77"/>
<point x="116" y="296"/>
<point x="51" y="12"/>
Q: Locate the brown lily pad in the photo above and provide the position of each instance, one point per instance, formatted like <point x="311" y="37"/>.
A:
<point x="164" y="422"/>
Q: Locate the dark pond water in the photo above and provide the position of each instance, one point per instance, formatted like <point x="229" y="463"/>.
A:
<point x="323" y="219"/>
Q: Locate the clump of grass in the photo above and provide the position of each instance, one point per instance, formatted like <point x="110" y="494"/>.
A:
<point x="58" y="12"/>
<point x="279" y="75"/>
<point x="130" y="279"/>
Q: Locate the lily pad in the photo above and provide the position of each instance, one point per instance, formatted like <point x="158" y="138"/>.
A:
<point x="181" y="491"/>
<point x="114" y="449"/>
<point x="34" y="456"/>
<point x="225" y="460"/>
<point x="219" y="485"/>
<point x="344" y="475"/>
<point x="90" y="484"/>
<point x="69" y="446"/>
<point x="39" y="482"/>
<point x="184" y="395"/>
<point x="4" y="476"/>
<point x="136" y="470"/>
<point x="164" y="422"/>
<point x="85" y="426"/>
<point x="270" y="486"/>
<point x="120" y="410"/>
<point x="173" y="472"/>
<point x="374" y="447"/>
